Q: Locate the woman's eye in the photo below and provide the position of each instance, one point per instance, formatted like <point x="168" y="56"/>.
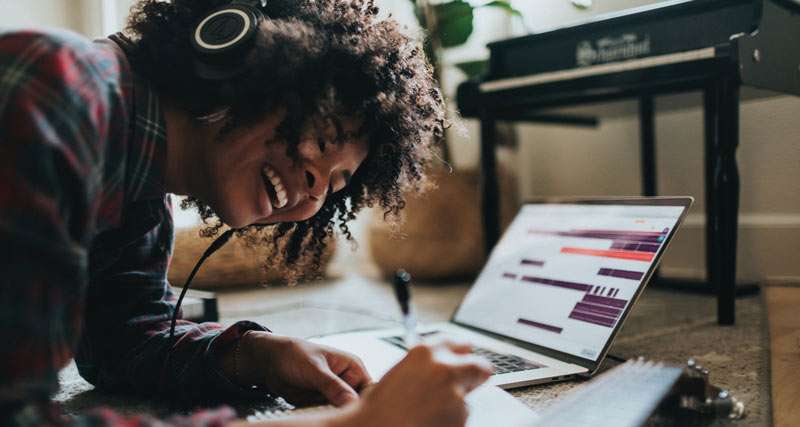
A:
<point x="321" y="145"/>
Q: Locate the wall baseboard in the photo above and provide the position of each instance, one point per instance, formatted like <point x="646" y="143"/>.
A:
<point x="751" y="220"/>
<point x="767" y="248"/>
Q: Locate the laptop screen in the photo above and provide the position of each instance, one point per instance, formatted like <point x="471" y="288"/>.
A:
<point x="563" y="275"/>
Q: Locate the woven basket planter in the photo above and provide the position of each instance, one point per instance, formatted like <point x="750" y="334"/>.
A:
<point x="236" y="264"/>
<point x="441" y="237"/>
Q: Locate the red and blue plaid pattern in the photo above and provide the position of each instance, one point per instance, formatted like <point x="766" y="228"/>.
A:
<point x="86" y="235"/>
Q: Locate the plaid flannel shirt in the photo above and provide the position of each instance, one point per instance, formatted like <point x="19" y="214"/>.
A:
<point x="86" y="235"/>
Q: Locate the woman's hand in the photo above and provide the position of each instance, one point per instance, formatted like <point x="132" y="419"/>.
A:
<point x="300" y="371"/>
<point x="427" y="388"/>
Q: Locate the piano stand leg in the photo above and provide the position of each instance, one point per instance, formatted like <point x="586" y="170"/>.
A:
<point x="722" y="192"/>
<point x="711" y="118"/>
<point x="647" y="135"/>
<point x="490" y="198"/>
<point x="648" y="140"/>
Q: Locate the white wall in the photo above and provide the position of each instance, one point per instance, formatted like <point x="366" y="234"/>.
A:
<point x="542" y="15"/>
<point x="92" y="18"/>
<point x="41" y="13"/>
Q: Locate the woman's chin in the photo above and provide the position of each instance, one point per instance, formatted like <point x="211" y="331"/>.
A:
<point x="236" y="219"/>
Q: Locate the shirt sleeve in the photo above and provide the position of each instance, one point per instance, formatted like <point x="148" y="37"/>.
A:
<point x="49" y="414"/>
<point x="204" y="418"/>
<point x="127" y="346"/>
<point x="53" y="111"/>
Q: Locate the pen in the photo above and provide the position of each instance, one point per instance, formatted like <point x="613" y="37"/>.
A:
<point x="402" y="281"/>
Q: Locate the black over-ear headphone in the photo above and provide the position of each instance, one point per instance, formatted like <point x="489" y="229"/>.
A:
<point x="221" y="38"/>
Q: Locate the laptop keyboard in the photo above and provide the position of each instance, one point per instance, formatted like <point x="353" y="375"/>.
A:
<point x="501" y="363"/>
<point x="505" y="363"/>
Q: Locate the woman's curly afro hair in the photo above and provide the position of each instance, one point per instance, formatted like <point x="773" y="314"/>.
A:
<point x="317" y="59"/>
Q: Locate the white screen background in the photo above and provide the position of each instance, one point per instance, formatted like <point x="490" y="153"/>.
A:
<point x="525" y="291"/>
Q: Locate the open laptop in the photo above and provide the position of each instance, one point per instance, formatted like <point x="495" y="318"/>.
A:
<point x="554" y="292"/>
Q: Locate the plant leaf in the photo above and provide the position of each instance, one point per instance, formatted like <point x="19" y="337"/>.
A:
<point x="473" y="68"/>
<point x="582" y="4"/>
<point x="454" y="22"/>
<point x="505" y="5"/>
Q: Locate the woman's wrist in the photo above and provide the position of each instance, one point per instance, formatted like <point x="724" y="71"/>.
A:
<point x="236" y="362"/>
<point x="238" y="377"/>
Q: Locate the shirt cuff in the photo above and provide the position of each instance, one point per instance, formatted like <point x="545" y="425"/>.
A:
<point x="217" y="347"/>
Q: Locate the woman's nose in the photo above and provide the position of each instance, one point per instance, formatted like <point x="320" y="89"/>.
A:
<point x="317" y="184"/>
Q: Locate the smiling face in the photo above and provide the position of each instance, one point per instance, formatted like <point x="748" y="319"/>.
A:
<point x="249" y="177"/>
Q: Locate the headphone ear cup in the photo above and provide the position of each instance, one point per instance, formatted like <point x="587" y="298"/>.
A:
<point x="221" y="40"/>
<point x="226" y="29"/>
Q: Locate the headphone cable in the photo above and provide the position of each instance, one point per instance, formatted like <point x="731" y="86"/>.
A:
<point x="218" y="243"/>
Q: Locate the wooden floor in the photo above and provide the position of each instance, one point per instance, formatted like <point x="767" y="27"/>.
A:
<point x="783" y="303"/>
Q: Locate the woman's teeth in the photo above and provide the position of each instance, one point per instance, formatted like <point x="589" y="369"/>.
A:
<point x="277" y="185"/>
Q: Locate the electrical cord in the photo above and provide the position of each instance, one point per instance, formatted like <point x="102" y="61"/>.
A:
<point x="218" y="243"/>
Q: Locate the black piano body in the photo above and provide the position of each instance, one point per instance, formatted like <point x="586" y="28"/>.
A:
<point x="715" y="46"/>
<point x="670" y="38"/>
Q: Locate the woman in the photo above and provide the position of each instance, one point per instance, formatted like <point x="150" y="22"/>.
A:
<point x="314" y="110"/>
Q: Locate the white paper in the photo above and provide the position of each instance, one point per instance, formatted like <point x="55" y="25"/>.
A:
<point x="489" y="406"/>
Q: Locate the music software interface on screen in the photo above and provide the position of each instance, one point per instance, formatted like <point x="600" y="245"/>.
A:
<point x="562" y="275"/>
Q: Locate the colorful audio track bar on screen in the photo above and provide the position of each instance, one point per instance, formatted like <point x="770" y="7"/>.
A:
<point x="625" y="244"/>
<point x="540" y="325"/>
<point x="598" y="306"/>
<point x="622" y="274"/>
<point x="600" y="310"/>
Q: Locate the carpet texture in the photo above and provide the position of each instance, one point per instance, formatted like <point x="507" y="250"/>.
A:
<point x="665" y="326"/>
